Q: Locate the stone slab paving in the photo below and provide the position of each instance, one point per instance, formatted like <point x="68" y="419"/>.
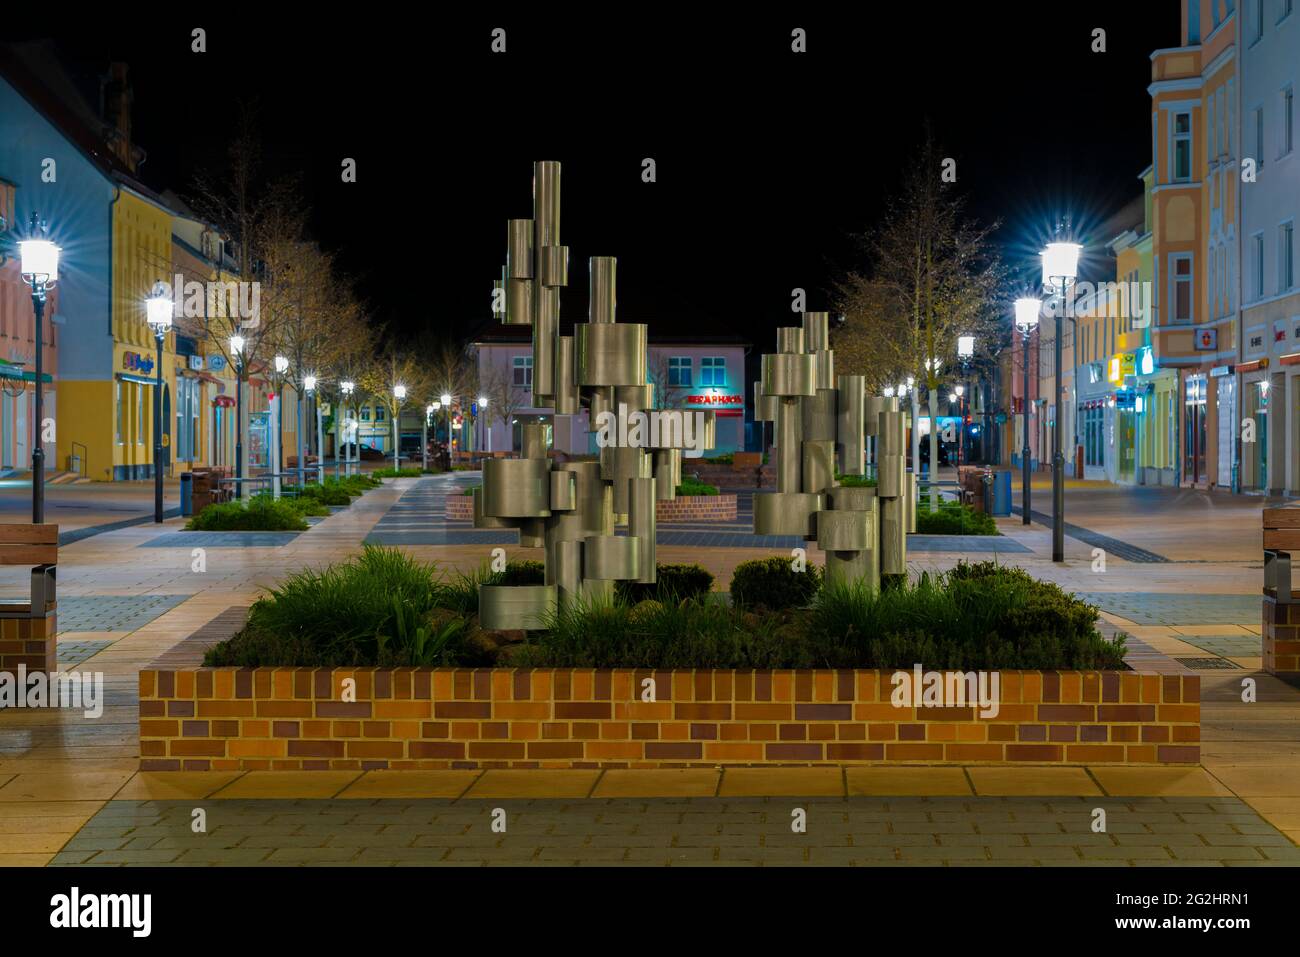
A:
<point x="843" y="831"/>
<point x="1153" y="608"/>
<point x="187" y="540"/>
<point x="112" y="612"/>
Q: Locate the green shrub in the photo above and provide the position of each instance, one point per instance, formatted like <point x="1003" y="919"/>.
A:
<point x="260" y="514"/>
<point x="382" y="608"/>
<point x="856" y="481"/>
<point x="469" y="490"/>
<point x="672" y="583"/>
<point x="953" y="518"/>
<point x="726" y="458"/>
<point x="397" y="473"/>
<point x="654" y="634"/>
<point x="976" y="617"/>
<point x="771" y="583"/>
<point x="326" y="494"/>
<point x="693" y="486"/>
<point x="304" y="505"/>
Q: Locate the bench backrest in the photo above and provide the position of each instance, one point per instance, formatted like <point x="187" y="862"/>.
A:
<point x="1282" y="529"/>
<point x="29" y="544"/>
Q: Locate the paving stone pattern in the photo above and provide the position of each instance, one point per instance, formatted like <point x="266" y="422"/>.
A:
<point x="112" y="612"/>
<point x="870" y="832"/>
<point x="1151" y="608"/>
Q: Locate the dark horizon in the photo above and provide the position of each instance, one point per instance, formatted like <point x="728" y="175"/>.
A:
<point x="768" y="162"/>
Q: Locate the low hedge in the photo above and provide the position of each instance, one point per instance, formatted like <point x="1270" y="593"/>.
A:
<point x="399" y="473"/>
<point x="773" y="584"/>
<point x="387" y="609"/>
<point x="953" y="518"/>
<point x="260" y="514"/>
<point x="693" y="486"/>
<point x="672" y="583"/>
<point x="856" y="481"/>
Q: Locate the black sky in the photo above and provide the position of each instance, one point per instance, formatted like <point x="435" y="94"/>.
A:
<point x="767" y="161"/>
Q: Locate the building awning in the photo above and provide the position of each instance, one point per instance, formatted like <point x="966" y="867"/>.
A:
<point x="10" y="371"/>
<point x="142" y="379"/>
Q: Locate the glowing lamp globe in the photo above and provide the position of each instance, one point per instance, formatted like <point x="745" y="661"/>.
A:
<point x="1027" y="310"/>
<point x="39" y="261"/>
<point x="1060" y="264"/>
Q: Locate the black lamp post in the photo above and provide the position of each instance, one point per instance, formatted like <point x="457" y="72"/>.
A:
<point x="40" y="270"/>
<point x="1060" y="267"/>
<point x="158" y="310"/>
<point x="237" y="344"/>
<point x="1027" y="310"/>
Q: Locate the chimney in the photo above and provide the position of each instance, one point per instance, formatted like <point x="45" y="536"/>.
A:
<point x="117" y="98"/>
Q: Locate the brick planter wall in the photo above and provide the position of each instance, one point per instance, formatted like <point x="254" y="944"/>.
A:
<point x="1281" y="637"/>
<point x="285" y="718"/>
<point x="684" y="508"/>
<point x="697" y="508"/>
<point x="27" y="641"/>
<point x="459" y="508"/>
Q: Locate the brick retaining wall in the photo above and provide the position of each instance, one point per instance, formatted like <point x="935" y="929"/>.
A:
<point x="286" y="718"/>
<point x="27" y="641"/>
<point x="1281" y="637"/>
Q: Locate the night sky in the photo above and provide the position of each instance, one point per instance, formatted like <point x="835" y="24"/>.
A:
<point x="768" y="162"/>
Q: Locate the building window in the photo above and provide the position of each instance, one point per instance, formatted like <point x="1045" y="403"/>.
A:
<point x="379" y="413"/>
<point x="522" y="372"/>
<point x="679" y="370"/>
<point x="121" y="411"/>
<point x="1182" y="147"/>
<point x="1259" y="265"/>
<point x="713" y="371"/>
<point x="1182" y="288"/>
<point x="1212" y="136"/>
<point x="1259" y="135"/>
<point x="139" y="413"/>
<point x="365" y="413"/>
<point x="1286" y="133"/>
<point x="1285" y="257"/>
<point x="1284" y="9"/>
<point x="1257" y="15"/>
<point x="1213" y="279"/>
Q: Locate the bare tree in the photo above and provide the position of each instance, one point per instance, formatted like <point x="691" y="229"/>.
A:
<point x="505" y="398"/>
<point x="931" y="276"/>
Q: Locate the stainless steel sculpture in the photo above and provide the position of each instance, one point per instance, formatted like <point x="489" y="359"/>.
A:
<point x="572" y="508"/>
<point x="822" y="426"/>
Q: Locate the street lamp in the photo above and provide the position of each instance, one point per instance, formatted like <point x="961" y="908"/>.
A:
<point x="348" y="387"/>
<point x="39" y="265"/>
<point x="281" y="365"/>
<point x="483" y="404"/>
<point x="1060" y="267"/>
<point x="309" y="386"/>
<point x="1027" y="310"/>
<point x="237" y="344"/>
<point x="158" y="313"/>
<point x="445" y="399"/>
<point x="399" y="394"/>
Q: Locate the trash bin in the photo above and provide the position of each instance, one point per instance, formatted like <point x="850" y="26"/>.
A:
<point x="1002" y="492"/>
<point x="187" y="493"/>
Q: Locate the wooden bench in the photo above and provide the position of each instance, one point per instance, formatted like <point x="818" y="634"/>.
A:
<point x="27" y="630"/>
<point x="1281" y="537"/>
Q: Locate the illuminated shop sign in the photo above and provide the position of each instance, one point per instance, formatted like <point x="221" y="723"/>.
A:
<point x="714" y="399"/>
<point x="134" y="362"/>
